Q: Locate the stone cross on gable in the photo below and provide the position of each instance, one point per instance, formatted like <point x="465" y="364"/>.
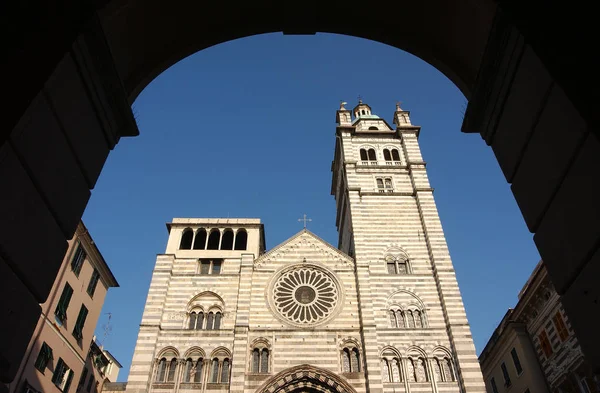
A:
<point x="305" y="220"/>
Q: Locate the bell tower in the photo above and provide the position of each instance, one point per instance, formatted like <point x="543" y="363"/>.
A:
<point x="388" y="221"/>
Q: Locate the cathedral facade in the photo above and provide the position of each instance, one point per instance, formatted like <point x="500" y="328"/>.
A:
<point x="381" y="312"/>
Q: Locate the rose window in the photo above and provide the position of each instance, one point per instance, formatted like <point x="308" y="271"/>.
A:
<point x="305" y="295"/>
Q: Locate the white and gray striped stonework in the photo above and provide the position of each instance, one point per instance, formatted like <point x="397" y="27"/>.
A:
<point x="404" y="221"/>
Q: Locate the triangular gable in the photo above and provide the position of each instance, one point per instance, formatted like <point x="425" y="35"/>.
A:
<point x="304" y="237"/>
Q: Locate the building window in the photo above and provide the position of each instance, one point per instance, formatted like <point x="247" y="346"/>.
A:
<point x="227" y="241"/>
<point x="214" y="372"/>
<point x="437" y="370"/>
<point x="63" y="303"/>
<point x="545" y="343"/>
<point x="384" y="184"/>
<point x="494" y="387"/>
<point x="91" y="382"/>
<point x="396" y="265"/>
<point x="213" y="240"/>
<point x="78" y="258"/>
<point x="391" y="156"/>
<point x="385" y="371"/>
<point x="93" y="283"/>
<point x="241" y="240"/>
<point x="82" y="379"/>
<point x="186" y="239"/>
<point x="225" y="371"/>
<point x="561" y="328"/>
<point x="421" y="371"/>
<point x="507" y="382"/>
<point x="368" y="156"/>
<point x="396" y="156"/>
<point x="78" y="328"/>
<point x="166" y="370"/>
<point x="516" y="361"/>
<point x="210" y="266"/>
<point x="351" y="360"/>
<point x="62" y="376"/>
<point x="172" y="369"/>
<point x="387" y="156"/>
<point x="43" y="358"/>
<point x="193" y="370"/>
<point x="200" y="239"/>
<point x="448" y="370"/>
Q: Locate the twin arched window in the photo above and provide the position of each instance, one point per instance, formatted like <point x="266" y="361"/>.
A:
<point x="417" y="370"/>
<point x="210" y="321"/>
<point x="166" y="370"/>
<point x="397" y="264"/>
<point x="193" y="370"/>
<point x="203" y="240"/>
<point x="411" y="318"/>
<point x="390" y="370"/>
<point x="260" y="360"/>
<point x="442" y="369"/>
<point x="368" y="155"/>
<point x="350" y="360"/>
<point x="391" y="156"/>
<point x="219" y="370"/>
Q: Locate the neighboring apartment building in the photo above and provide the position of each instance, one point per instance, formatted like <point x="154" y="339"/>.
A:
<point x="540" y="314"/>
<point x="509" y="360"/>
<point x="62" y="355"/>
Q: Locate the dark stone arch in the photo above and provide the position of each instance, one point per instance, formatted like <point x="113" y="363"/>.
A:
<point x="306" y="376"/>
<point x="227" y="241"/>
<point x="241" y="240"/>
<point x="395" y="155"/>
<point x="186" y="239"/>
<point x="363" y="155"/>
<point x="213" y="240"/>
<point x="200" y="240"/>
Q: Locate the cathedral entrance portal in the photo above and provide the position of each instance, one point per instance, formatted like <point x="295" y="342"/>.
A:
<point x="306" y="379"/>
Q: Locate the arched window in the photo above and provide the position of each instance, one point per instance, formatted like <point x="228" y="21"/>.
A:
<point x="172" y="369"/>
<point x="199" y="320"/>
<point x="217" y="323"/>
<point x="213" y="240"/>
<point x="190" y="370"/>
<point x="381" y="189"/>
<point x="161" y="373"/>
<point x="210" y="321"/>
<point x="393" y="321"/>
<point x="225" y="371"/>
<point x="214" y="371"/>
<point x="410" y="319"/>
<point x="395" y="155"/>
<point x="437" y="369"/>
<point x="186" y="239"/>
<point x="421" y="370"/>
<point x="373" y="128"/>
<point x="227" y="241"/>
<point x="354" y="360"/>
<point x="192" y="322"/>
<point x="412" y="376"/>
<point x="418" y="320"/>
<point x="395" y="264"/>
<point x="363" y="155"/>
<point x="255" y="360"/>
<point x="346" y="360"/>
<point x="363" y="111"/>
<point x="241" y="240"/>
<point x="372" y="156"/>
<point x="385" y="371"/>
<point x="396" y="374"/>
<point x="200" y="240"/>
<point x="400" y="318"/>
<point x="264" y="360"/>
<point x="448" y="369"/>
<point x="199" y="369"/>
<point x="387" y="155"/>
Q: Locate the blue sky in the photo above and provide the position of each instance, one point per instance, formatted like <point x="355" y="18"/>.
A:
<point x="246" y="129"/>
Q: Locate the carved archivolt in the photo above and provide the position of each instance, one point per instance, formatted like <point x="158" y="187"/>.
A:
<point x="306" y="377"/>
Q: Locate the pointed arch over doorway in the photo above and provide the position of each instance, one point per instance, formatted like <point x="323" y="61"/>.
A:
<point x="306" y="378"/>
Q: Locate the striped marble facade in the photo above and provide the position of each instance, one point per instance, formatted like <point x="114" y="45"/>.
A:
<point x="398" y="323"/>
